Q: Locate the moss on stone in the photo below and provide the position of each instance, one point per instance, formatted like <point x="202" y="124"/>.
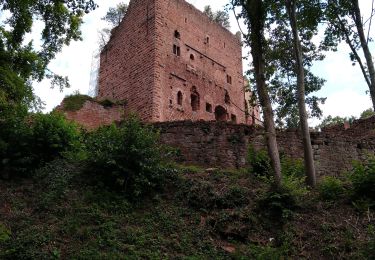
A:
<point x="75" y="102"/>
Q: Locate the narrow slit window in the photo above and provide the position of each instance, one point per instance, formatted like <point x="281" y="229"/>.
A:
<point x="179" y="98"/>
<point x="176" y="50"/>
<point x="229" y="79"/>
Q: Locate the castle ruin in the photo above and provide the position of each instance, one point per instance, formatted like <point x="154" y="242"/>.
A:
<point x="170" y="62"/>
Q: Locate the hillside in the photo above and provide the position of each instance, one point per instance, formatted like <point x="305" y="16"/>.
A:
<point x="65" y="213"/>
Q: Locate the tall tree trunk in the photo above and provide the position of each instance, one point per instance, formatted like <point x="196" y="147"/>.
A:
<point x="308" y="152"/>
<point x="254" y="9"/>
<point x="370" y="63"/>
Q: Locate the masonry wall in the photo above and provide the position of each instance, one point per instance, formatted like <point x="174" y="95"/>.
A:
<point x="140" y="64"/>
<point x="213" y="144"/>
<point x="127" y="63"/>
<point x="208" y="54"/>
<point x="92" y="114"/>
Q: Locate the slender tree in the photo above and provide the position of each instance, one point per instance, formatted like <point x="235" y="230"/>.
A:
<point x="280" y="61"/>
<point x="300" y="71"/>
<point x="254" y="13"/>
<point x="345" y="23"/>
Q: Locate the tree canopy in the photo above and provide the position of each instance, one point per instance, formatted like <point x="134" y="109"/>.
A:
<point x="20" y="62"/>
<point x="221" y="17"/>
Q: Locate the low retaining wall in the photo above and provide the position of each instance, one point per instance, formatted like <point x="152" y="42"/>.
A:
<point x="221" y="144"/>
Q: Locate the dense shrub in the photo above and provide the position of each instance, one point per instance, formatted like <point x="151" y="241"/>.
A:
<point x="129" y="154"/>
<point x="279" y="204"/>
<point x="259" y="162"/>
<point x="331" y="188"/>
<point x="30" y="142"/>
<point x="362" y="179"/>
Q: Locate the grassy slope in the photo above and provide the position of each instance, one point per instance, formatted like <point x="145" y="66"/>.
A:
<point x="199" y="215"/>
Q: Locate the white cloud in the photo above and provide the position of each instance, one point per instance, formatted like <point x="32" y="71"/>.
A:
<point x="346" y="103"/>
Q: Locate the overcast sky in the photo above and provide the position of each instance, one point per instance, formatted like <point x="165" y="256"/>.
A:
<point x="345" y="88"/>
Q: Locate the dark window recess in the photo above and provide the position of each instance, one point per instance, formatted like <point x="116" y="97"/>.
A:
<point x="209" y="107"/>
<point x="170" y="102"/>
<point x="233" y="118"/>
<point x="177" y="34"/>
<point x="192" y="57"/>
<point x="220" y="114"/>
<point x="227" y="98"/>
<point x="176" y="50"/>
<point x="179" y="98"/>
<point x="207" y="40"/>
<point x="194" y="99"/>
<point x="229" y="79"/>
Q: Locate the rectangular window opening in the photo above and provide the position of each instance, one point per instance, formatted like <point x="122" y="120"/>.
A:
<point x="176" y="50"/>
<point x="209" y="107"/>
<point x="229" y="79"/>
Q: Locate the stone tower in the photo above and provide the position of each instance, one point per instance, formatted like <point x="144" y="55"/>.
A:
<point x="170" y="62"/>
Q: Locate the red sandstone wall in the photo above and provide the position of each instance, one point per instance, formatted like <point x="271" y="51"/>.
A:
<point x="226" y="145"/>
<point x="213" y="61"/>
<point x="92" y="115"/>
<point x="138" y="64"/>
<point x="127" y="64"/>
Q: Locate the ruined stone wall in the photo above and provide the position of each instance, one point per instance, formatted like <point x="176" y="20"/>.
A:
<point x="127" y="63"/>
<point x="92" y="114"/>
<point x="208" y="54"/>
<point x="226" y="145"/>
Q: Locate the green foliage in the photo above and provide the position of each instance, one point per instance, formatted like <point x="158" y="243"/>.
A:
<point x="29" y="143"/>
<point x="259" y="161"/>
<point x="75" y="102"/>
<point x="362" y="179"/>
<point x="277" y="44"/>
<point x="115" y="15"/>
<point x="367" y="113"/>
<point x="220" y="17"/>
<point x="331" y="188"/>
<point x="130" y="154"/>
<point x="369" y="249"/>
<point x="4" y="233"/>
<point x="279" y="204"/>
<point x="268" y="252"/>
<point x="331" y="121"/>
<point x="20" y="62"/>
<point x="292" y="171"/>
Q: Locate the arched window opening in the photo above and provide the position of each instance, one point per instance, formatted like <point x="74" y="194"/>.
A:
<point x="192" y="56"/>
<point x="194" y="99"/>
<point x="221" y="113"/>
<point x="179" y="98"/>
<point x="227" y="98"/>
<point x="177" y="34"/>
